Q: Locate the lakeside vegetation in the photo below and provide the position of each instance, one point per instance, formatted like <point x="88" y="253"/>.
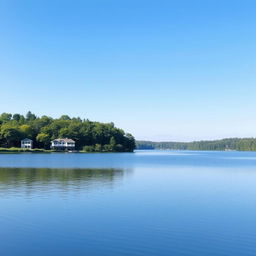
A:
<point x="89" y="136"/>
<point x="24" y="150"/>
<point x="244" y="144"/>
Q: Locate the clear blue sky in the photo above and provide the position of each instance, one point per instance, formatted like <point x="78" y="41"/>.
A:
<point x="163" y="70"/>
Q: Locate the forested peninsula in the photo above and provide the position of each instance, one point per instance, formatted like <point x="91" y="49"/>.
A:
<point x="89" y="136"/>
<point x="244" y="144"/>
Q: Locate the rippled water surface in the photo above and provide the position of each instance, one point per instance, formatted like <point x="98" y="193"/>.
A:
<point x="143" y="203"/>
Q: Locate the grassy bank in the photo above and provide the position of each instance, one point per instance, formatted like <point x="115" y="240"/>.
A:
<point x="24" y="150"/>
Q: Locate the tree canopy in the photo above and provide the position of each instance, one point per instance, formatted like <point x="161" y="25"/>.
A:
<point x="88" y="135"/>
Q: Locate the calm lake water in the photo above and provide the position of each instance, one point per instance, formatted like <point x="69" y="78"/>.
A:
<point x="144" y="203"/>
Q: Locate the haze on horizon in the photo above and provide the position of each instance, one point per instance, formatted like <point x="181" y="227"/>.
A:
<point x="162" y="70"/>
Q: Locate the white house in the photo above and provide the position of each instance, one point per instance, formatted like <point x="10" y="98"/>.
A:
<point x="27" y="143"/>
<point x="63" y="144"/>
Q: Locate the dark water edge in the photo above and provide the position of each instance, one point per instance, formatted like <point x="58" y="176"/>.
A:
<point x="146" y="203"/>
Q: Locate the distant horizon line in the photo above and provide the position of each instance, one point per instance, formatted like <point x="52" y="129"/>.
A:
<point x="202" y="140"/>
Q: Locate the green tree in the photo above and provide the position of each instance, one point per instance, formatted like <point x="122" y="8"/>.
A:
<point x="65" y="117"/>
<point x="16" y="117"/>
<point x="112" y="144"/>
<point x="88" y="148"/>
<point x="43" y="139"/>
<point x="30" y="116"/>
<point x="26" y="131"/>
<point x="98" y="147"/>
<point x="5" y="117"/>
<point x="11" y="136"/>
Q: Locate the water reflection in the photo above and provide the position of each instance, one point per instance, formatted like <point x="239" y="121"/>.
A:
<point x="15" y="181"/>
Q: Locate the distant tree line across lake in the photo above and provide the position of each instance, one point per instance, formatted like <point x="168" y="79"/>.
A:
<point x="89" y="136"/>
<point x="239" y="144"/>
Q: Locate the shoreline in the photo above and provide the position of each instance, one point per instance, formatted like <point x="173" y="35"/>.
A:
<point x="48" y="151"/>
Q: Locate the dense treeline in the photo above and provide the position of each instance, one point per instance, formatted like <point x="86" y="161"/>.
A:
<point x="245" y="144"/>
<point x="88" y="135"/>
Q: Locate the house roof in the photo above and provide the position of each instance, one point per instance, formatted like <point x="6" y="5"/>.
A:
<point x="65" y="140"/>
<point x="26" y="139"/>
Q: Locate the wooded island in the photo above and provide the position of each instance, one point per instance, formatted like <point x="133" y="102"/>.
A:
<point x="89" y="136"/>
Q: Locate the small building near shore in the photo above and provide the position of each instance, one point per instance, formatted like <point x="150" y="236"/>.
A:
<point x="63" y="144"/>
<point x="26" y="143"/>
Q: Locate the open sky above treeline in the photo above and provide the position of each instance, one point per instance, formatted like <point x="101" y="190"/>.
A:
<point x="177" y="70"/>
